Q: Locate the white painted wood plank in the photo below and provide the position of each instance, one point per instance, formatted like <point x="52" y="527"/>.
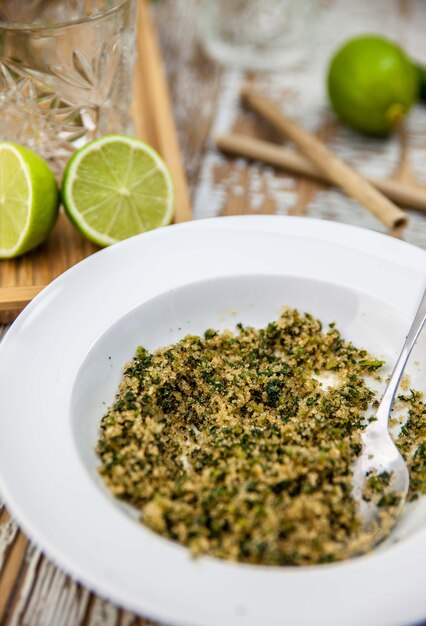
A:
<point x="103" y="613"/>
<point x="302" y="94"/>
<point x="32" y="560"/>
<point x="42" y="591"/>
<point x="194" y="82"/>
<point x="72" y="604"/>
<point x="8" y="532"/>
<point x="128" y="619"/>
<point x="49" y="597"/>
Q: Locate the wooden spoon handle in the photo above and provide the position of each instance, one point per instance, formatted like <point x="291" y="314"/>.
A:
<point x="327" y="162"/>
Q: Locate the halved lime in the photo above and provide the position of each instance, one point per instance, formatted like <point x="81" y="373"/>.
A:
<point x="372" y="84"/>
<point x="29" y="200"/>
<point x="116" y="187"/>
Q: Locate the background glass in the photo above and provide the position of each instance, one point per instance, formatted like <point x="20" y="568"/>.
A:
<point x="257" y="34"/>
<point x="66" y="72"/>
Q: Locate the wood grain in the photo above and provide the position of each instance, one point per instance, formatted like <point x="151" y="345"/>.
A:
<point x="15" y="298"/>
<point x="22" y="278"/>
<point x="155" y="104"/>
<point x="333" y="168"/>
<point x="403" y="193"/>
<point x="194" y="80"/>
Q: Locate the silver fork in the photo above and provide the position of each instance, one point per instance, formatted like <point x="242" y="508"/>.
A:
<point x="379" y="452"/>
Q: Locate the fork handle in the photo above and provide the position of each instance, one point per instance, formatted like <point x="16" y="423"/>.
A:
<point x="385" y="405"/>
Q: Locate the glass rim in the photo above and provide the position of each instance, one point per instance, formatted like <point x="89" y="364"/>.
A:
<point x="17" y="26"/>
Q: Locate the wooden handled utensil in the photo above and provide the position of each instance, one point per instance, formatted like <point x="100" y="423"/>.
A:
<point x="292" y="161"/>
<point x="326" y="161"/>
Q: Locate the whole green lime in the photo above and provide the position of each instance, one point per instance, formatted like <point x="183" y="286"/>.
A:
<point x="421" y="72"/>
<point x="372" y="84"/>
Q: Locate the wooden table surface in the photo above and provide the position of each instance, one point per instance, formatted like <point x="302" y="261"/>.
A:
<point x="33" y="592"/>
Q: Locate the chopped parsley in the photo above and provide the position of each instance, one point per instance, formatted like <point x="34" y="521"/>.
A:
<point x="229" y="444"/>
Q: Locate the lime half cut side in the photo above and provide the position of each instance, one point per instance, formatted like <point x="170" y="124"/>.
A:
<point x="116" y="187"/>
<point x="28" y="200"/>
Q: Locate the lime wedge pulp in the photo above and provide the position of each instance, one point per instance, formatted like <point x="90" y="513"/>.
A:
<point x="28" y="200"/>
<point x="116" y="187"/>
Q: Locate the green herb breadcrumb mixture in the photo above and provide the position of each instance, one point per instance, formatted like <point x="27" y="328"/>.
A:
<point x="230" y="445"/>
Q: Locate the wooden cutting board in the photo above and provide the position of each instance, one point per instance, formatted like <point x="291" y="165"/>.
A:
<point x="21" y="279"/>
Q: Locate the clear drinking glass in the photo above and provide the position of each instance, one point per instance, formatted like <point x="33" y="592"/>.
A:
<point x="66" y="72"/>
<point x="257" y="34"/>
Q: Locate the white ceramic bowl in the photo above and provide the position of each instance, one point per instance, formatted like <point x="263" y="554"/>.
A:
<point x="60" y="364"/>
